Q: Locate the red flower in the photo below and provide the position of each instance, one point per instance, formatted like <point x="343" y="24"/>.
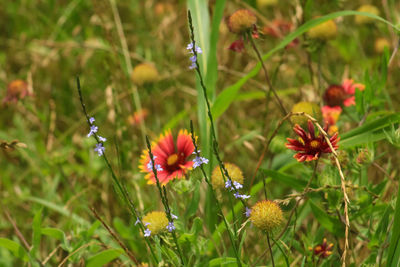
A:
<point x="310" y="146"/>
<point x="170" y="160"/>
<point x="237" y="46"/>
<point x="17" y="89"/>
<point x="323" y="250"/>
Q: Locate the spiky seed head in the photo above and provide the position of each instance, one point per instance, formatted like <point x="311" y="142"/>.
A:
<point x="309" y="108"/>
<point x="157" y="221"/>
<point x="234" y="172"/>
<point x="144" y="73"/>
<point x="241" y="21"/>
<point x="324" y="31"/>
<point x="364" y="19"/>
<point x="266" y="215"/>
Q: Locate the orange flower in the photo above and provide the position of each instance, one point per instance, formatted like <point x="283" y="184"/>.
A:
<point x="339" y="95"/>
<point x="171" y="161"/>
<point x="17" y="89"/>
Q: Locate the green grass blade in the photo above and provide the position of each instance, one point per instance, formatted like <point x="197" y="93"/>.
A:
<point x="104" y="257"/>
<point x="226" y="97"/>
<point x="15" y="248"/>
<point x="393" y="257"/>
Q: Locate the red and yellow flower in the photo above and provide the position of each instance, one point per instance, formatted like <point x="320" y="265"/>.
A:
<point x="331" y="116"/>
<point x="323" y="250"/>
<point x="170" y="158"/>
<point x="342" y="95"/>
<point x="310" y="147"/>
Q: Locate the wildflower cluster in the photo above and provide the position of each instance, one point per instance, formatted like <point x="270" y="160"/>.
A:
<point x="93" y="132"/>
<point x="234" y="186"/>
<point x="198" y="161"/>
<point x="194" y="50"/>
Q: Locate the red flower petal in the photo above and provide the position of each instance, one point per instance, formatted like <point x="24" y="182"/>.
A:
<point x="184" y="143"/>
<point x="237" y="46"/>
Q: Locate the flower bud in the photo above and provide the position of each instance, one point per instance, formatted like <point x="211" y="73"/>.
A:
<point x="144" y="73"/>
<point x="266" y="215"/>
<point x="241" y="21"/>
<point x="335" y="95"/>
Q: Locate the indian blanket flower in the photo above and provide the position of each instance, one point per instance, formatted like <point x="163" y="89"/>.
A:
<point x="155" y="221"/>
<point x="171" y="158"/>
<point x="323" y="250"/>
<point x="331" y="116"/>
<point x="309" y="145"/>
<point x="266" y="215"/>
<point x="342" y="95"/>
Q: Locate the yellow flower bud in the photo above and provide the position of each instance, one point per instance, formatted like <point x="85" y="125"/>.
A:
<point x="309" y="108"/>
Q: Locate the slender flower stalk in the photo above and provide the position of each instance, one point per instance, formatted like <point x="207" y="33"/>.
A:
<point x="120" y="187"/>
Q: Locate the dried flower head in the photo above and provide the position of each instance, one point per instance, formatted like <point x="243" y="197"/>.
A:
<point x="310" y="147"/>
<point x="144" y="73"/>
<point x="266" y="215"/>
<point x="309" y="108"/>
<point x="171" y="160"/>
<point x="368" y="9"/>
<point x="242" y="21"/>
<point x="323" y="250"/>
<point x="324" y="31"/>
<point x="234" y="172"/>
<point x="17" y="89"/>
<point x="156" y="221"/>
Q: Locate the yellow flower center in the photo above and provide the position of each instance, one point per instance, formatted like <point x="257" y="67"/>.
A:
<point x="172" y="159"/>
<point x="314" y="144"/>
<point x="301" y="140"/>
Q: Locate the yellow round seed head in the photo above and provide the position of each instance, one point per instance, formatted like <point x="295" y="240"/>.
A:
<point x="157" y="221"/>
<point x="310" y="108"/>
<point x="324" y="31"/>
<point x="144" y="73"/>
<point x="368" y="9"/>
<point x="241" y="21"/>
<point x="266" y="3"/>
<point x="266" y="215"/>
<point x="380" y="44"/>
<point x="234" y="171"/>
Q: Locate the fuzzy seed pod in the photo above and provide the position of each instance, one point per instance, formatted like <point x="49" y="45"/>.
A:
<point x="144" y="73"/>
<point x="368" y="9"/>
<point x="155" y="221"/>
<point x="234" y="171"/>
<point x="324" y="31"/>
<point x="266" y="215"/>
<point x="310" y="108"/>
<point x="241" y="21"/>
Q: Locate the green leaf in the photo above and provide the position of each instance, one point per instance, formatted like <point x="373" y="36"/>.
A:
<point x="330" y="223"/>
<point x="36" y="233"/>
<point x="226" y="97"/>
<point x="285" y="179"/>
<point x="104" y="257"/>
<point x="393" y="257"/>
<point x="55" y="233"/>
<point x="223" y="261"/>
<point x="15" y="248"/>
<point x="194" y="203"/>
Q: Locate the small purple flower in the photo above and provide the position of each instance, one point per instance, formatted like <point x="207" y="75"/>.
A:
<point x="198" y="161"/>
<point x="102" y="139"/>
<point x="147" y="232"/>
<point x="100" y="149"/>
<point x="190" y="47"/>
<point x="237" y="185"/>
<point x="228" y="184"/>
<point x="170" y="227"/>
<point x="237" y="195"/>
<point x="91" y="120"/>
<point x="93" y="130"/>
<point x="150" y="165"/>
<point x="174" y="216"/>
<point x="248" y="212"/>
<point x="193" y="66"/>
<point x="193" y="59"/>
<point x="137" y="221"/>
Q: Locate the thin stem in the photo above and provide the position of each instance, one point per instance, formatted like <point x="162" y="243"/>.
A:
<point x="270" y="250"/>
<point x="271" y="88"/>
<point x="122" y="190"/>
